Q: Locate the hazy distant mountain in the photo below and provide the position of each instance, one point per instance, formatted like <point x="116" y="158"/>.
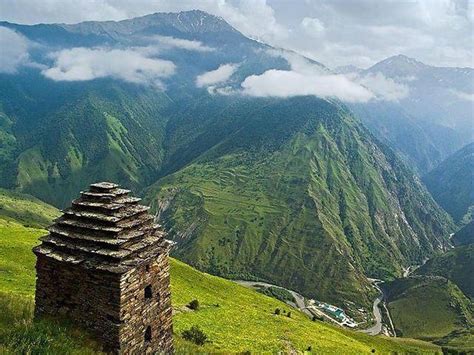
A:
<point x="294" y="191"/>
<point x="452" y="184"/>
<point x="433" y="119"/>
<point x="347" y="69"/>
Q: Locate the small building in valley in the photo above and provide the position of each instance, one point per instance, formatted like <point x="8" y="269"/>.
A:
<point x="104" y="265"/>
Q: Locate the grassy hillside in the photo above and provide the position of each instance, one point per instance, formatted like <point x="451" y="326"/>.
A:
<point x="25" y="209"/>
<point x="430" y="308"/>
<point x="234" y="318"/>
<point x="67" y="136"/>
<point x="456" y="265"/>
<point x="451" y="184"/>
<point x="300" y="195"/>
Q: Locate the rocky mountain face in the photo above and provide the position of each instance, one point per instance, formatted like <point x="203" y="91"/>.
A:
<point x="294" y="191"/>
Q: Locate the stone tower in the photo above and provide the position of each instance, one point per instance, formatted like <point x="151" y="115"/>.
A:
<point x="104" y="264"/>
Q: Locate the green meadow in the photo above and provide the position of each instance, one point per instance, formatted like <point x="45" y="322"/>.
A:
<point x="234" y="318"/>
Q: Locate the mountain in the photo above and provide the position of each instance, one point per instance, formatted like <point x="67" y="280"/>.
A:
<point x="294" y="191"/>
<point x="234" y="318"/>
<point x="451" y="184"/>
<point x="300" y="194"/>
<point x="465" y="235"/>
<point x="431" y="115"/>
<point x="444" y="317"/>
<point x="456" y="265"/>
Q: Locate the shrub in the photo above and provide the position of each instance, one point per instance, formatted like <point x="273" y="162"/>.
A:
<point x="195" y="335"/>
<point x="194" y="305"/>
<point x="277" y="311"/>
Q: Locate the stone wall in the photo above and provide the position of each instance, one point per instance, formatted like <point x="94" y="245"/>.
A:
<point x="142" y="309"/>
<point x="88" y="297"/>
<point x="114" y="308"/>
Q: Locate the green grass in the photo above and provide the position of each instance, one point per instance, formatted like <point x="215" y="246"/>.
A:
<point x="429" y="308"/>
<point x="238" y="319"/>
<point x="16" y="258"/>
<point x="19" y="334"/>
<point x="25" y="209"/>
<point x="234" y="318"/>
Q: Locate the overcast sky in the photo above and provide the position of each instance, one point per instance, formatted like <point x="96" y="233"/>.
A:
<point x="334" y="32"/>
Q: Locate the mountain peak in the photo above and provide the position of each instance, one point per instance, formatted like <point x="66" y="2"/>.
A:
<point x="191" y="22"/>
<point x="403" y="59"/>
<point x="398" y="65"/>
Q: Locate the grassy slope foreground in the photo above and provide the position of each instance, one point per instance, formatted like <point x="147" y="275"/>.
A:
<point x="431" y="308"/>
<point x="20" y="217"/>
<point x="234" y="318"/>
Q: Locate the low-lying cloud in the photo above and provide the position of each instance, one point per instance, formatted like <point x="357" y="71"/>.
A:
<point x="131" y="65"/>
<point x="185" y="44"/>
<point x="304" y="78"/>
<point x="14" y="50"/>
<point x="310" y="78"/>
<point x="383" y="88"/>
<point x="286" y="83"/>
<point x="463" y="95"/>
<point x="217" y="76"/>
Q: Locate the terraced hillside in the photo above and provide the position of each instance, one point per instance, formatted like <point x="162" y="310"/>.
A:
<point x="303" y="196"/>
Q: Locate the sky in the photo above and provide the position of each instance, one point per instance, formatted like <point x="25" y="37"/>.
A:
<point x="334" y="32"/>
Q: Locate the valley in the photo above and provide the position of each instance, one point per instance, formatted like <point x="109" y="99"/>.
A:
<point x="235" y="318"/>
<point x="343" y="198"/>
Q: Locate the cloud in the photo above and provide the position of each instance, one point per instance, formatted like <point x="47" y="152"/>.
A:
<point x="312" y="26"/>
<point x="131" y="65"/>
<point x="463" y="95"/>
<point x="220" y="75"/>
<point x="196" y="46"/>
<point x="14" y="51"/>
<point x="286" y="83"/>
<point x="383" y="88"/>
<point x="310" y="78"/>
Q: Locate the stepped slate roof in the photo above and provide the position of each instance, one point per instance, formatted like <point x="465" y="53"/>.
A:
<point x="105" y="229"/>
